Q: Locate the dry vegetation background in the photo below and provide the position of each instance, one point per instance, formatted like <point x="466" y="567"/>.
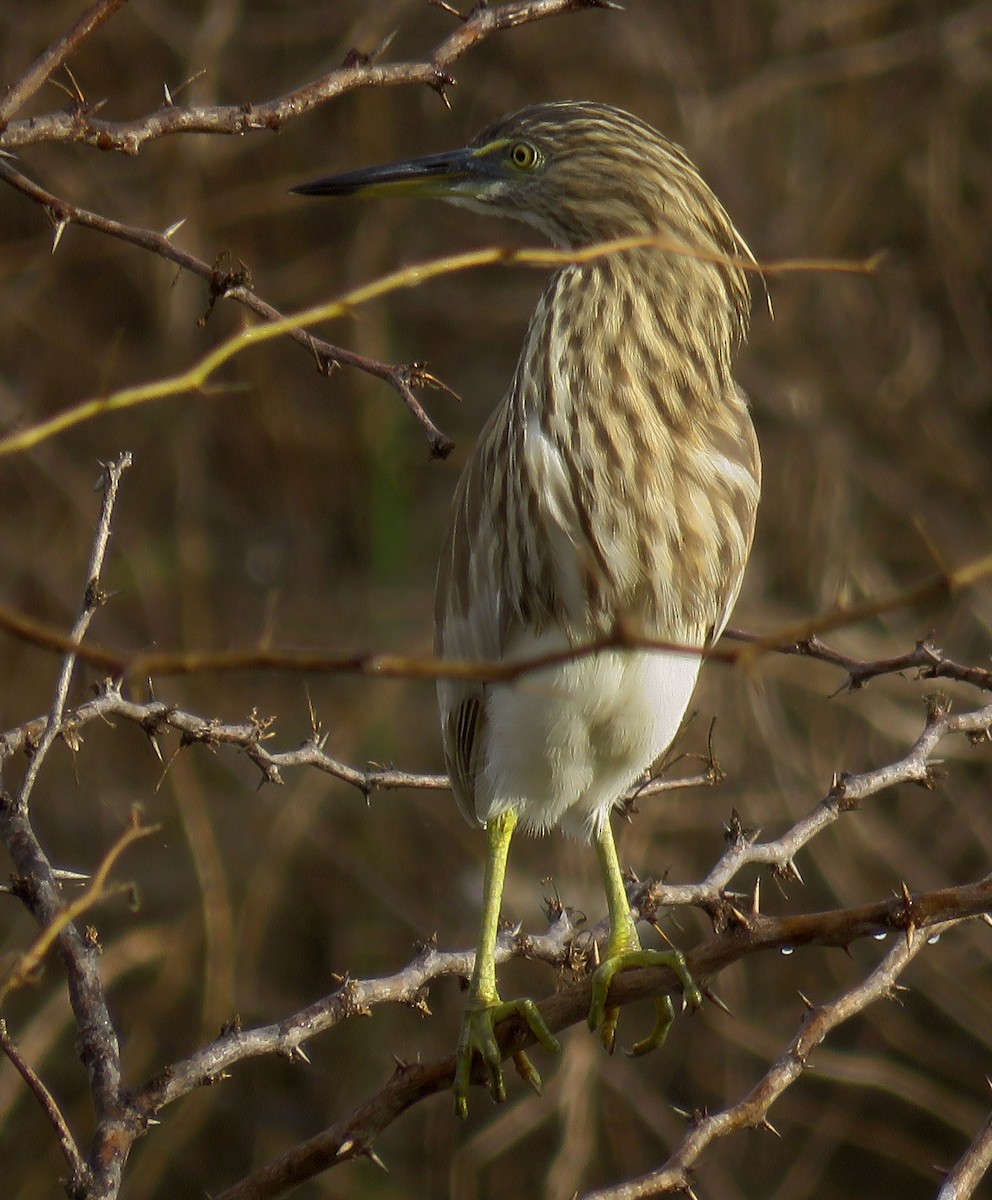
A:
<point x="304" y="511"/>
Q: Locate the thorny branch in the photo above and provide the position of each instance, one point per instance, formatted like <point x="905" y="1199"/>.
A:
<point x="156" y="718"/>
<point x="354" y="1136"/>
<point x="53" y="57"/>
<point x="78" y="1171"/>
<point x="37" y="885"/>
<point x="392" y="666"/>
<point x="752" y="1111"/>
<point x="925" y="659"/>
<point x="80" y="124"/>
<point x="968" y="1172"/>
<point x="741" y="929"/>
<point x="234" y="284"/>
<point x="93" y="598"/>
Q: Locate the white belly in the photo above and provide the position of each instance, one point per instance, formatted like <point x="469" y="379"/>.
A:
<point x="563" y="744"/>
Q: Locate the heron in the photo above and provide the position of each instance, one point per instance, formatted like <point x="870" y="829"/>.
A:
<point x="614" y="487"/>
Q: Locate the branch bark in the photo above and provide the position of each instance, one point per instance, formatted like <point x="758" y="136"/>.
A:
<point x="79" y="124"/>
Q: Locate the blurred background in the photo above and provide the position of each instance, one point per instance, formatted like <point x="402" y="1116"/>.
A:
<point x="304" y="510"/>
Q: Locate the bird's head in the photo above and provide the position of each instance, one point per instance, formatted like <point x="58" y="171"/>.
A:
<point x="579" y="171"/>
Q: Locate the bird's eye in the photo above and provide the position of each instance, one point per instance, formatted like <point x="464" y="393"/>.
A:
<point x="524" y="156"/>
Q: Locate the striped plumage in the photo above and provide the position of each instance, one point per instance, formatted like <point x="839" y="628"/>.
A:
<point x="617" y="482"/>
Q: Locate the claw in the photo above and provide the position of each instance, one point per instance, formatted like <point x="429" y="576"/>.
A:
<point x="478" y="1037"/>
<point x="605" y="1017"/>
<point x="664" y="1016"/>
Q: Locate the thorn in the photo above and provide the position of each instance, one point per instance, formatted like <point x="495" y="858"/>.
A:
<point x="80" y="98"/>
<point x="315" y="726"/>
<point x="769" y="1127"/>
<point x="794" y="871"/>
<point x="715" y="999"/>
<point x="448" y="8"/>
<point x="345" y="1148"/>
<point x="910" y="934"/>
<point x="174" y="228"/>
<point x="168" y="95"/>
<point x="682" y="1112"/>
<point x="371" y="1155"/>
<point x="298" y="1054"/>
<point x="60" y="225"/>
<point x="383" y="46"/>
<point x="756" y="897"/>
<point x="807" y="1003"/>
<point x="64" y="876"/>
<point x="986" y="918"/>
<point x="156" y="748"/>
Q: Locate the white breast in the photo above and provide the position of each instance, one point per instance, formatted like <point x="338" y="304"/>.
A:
<point x="564" y="743"/>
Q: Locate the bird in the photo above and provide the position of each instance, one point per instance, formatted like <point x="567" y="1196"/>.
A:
<point x="614" y="488"/>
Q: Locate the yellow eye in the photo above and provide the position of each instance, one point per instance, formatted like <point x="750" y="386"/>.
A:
<point x="524" y="156"/>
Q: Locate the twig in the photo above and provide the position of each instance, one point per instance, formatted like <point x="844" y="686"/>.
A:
<point x="232" y="285"/>
<point x="28" y="962"/>
<point x="968" y="1172"/>
<point x="37" y="886"/>
<point x="92" y="599"/>
<point x="925" y="658"/>
<point x="99" y="1048"/>
<point x="392" y="666"/>
<point x="197" y="376"/>
<point x="752" y="1111"/>
<point x="354" y="1136"/>
<point x="847" y="792"/>
<point x="79" y="125"/>
<point x="79" y="1173"/>
<point x="156" y="717"/>
<point x="54" y="56"/>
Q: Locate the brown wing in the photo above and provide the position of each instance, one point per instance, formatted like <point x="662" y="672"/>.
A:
<point x="468" y="624"/>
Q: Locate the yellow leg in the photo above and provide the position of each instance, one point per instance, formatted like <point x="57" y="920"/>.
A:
<point x="623" y="950"/>
<point x="483" y="1008"/>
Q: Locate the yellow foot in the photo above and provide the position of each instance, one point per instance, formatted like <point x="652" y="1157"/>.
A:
<point x="605" y="1018"/>
<point x="478" y="1037"/>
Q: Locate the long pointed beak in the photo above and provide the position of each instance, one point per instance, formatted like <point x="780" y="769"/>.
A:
<point x="434" y="175"/>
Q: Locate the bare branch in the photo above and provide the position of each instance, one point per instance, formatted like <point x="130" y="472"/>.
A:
<point x="971" y="1168"/>
<point x="156" y="717"/>
<point x="93" y="597"/>
<point x="752" y="1111"/>
<point x="359" y="71"/>
<point x="99" y="1048"/>
<point x="391" y="666"/>
<point x="847" y="792"/>
<point x="53" y="57"/>
<point x="28" y="962"/>
<point x="354" y="1136"/>
<point x="79" y="1173"/>
<point x="924" y="658"/>
<point x="232" y="285"/>
<point x="37" y="886"/>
